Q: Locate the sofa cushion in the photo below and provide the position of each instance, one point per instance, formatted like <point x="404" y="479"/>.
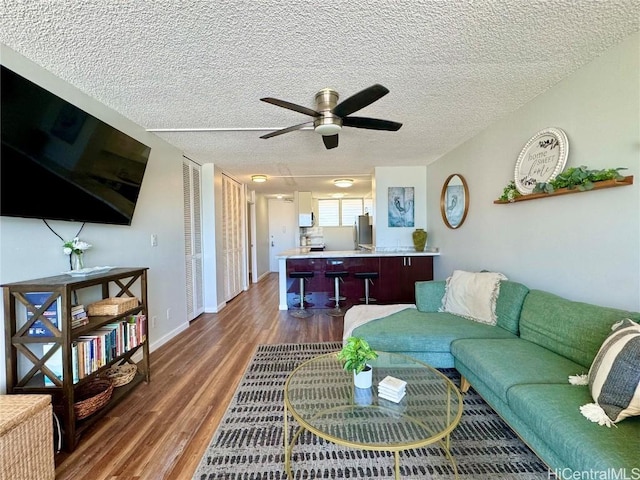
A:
<point x="552" y="412"/>
<point x="414" y="331"/>
<point x="508" y="306"/>
<point x="574" y="330"/>
<point x="614" y="376"/>
<point x="502" y="363"/>
<point x="429" y="295"/>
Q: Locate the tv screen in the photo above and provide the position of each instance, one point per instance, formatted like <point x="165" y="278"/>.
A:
<point x="59" y="162"/>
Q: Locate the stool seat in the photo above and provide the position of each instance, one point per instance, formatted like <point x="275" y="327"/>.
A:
<point x="366" y="275"/>
<point x="301" y="312"/>
<point x="301" y="274"/>
<point x="368" y="278"/>
<point x="336" y="274"/>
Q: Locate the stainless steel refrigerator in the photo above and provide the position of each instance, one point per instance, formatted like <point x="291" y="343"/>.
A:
<point x="364" y="230"/>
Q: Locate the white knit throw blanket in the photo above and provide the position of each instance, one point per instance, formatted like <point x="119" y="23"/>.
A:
<point x="360" y="314"/>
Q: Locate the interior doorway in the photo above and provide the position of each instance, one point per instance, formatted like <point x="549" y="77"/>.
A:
<point x="283" y="230"/>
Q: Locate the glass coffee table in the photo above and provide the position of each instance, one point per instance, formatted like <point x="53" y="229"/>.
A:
<point x="321" y="397"/>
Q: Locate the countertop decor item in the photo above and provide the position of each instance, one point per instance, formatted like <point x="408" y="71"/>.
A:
<point x="419" y="239"/>
<point x="454" y="201"/>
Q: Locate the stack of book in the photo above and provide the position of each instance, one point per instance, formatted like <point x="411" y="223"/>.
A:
<point x="78" y="316"/>
<point x="392" y="389"/>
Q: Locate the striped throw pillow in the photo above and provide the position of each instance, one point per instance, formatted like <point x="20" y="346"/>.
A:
<point x="614" y="376"/>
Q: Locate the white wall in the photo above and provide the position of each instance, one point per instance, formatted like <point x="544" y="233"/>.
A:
<point x="29" y="250"/>
<point x="385" y="177"/>
<point x="585" y="246"/>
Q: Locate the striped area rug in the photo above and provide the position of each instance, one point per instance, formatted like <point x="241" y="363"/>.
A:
<point x="248" y="444"/>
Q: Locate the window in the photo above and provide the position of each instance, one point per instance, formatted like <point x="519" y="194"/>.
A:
<point x="344" y="212"/>
<point x="351" y="208"/>
<point x="329" y="213"/>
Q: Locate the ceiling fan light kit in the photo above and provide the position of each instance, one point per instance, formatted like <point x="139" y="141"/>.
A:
<point x="330" y="116"/>
<point x="259" y="178"/>
<point x="343" y="182"/>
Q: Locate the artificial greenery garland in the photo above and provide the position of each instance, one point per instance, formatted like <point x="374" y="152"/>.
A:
<point x="580" y="178"/>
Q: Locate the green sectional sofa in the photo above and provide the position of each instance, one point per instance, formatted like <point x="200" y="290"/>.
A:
<point x="521" y="367"/>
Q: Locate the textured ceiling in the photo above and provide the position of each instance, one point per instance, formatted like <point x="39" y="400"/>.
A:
<point x="452" y="67"/>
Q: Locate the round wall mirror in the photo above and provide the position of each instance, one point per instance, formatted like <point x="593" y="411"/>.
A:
<point x="454" y="201"/>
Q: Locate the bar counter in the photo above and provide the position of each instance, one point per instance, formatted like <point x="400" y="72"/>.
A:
<point x="399" y="269"/>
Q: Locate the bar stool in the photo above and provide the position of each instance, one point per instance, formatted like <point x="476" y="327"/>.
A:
<point x="301" y="312"/>
<point x="368" y="278"/>
<point x="337" y="276"/>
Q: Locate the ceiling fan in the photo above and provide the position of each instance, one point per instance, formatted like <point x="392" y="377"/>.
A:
<point x="330" y="116"/>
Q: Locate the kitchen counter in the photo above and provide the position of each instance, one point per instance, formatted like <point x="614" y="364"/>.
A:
<point x="354" y="260"/>
<point x="304" y="252"/>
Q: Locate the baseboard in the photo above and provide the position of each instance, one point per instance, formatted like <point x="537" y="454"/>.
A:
<point x="137" y="357"/>
<point x="165" y="338"/>
<point x="263" y="276"/>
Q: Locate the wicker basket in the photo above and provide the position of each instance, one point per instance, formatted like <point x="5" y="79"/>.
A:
<point x="112" y="306"/>
<point x="92" y="396"/>
<point x="121" y="374"/>
<point x="26" y="430"/>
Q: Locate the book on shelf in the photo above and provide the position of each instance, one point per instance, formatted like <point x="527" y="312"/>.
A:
<point x="54" y="363"/>
<point x="101" y="346"/>
<point x="79" y="322"/>
<point x="53" y="313"/>
<point x="75" y="309"/>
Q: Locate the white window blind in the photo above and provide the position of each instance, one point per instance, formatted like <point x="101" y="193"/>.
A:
<point x="329" y="213"/>
<point x="335" y="213"/>
<point x="351" y="208"/>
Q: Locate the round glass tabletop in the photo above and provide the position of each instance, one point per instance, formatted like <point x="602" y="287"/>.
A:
<point x="321" y="396"/>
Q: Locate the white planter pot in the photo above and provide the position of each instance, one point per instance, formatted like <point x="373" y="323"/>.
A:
<point x="364" y="379"/>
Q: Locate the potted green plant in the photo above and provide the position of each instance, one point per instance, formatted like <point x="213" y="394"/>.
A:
<point x="355" y="354"/>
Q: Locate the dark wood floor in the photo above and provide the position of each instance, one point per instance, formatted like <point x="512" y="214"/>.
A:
<point x="161" y="430"/>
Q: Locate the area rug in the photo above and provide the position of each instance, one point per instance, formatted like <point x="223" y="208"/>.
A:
<point x="248" y="444"/>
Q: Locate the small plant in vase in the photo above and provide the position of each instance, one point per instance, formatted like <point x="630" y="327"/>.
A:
<point x="355" y="354"/>
<point x="75" y="249"/>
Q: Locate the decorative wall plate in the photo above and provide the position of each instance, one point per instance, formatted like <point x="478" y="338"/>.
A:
<point x="543" y="157"/>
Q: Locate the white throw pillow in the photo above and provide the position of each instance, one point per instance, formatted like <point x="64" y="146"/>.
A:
<point x="473" y="295"/>
<point x="614" y="376"/>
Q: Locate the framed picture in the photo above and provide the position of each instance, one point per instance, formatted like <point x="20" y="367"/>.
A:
<point x="401" y="207"/>
<point x="542" y="159"/>
<point x="454" y="201"/>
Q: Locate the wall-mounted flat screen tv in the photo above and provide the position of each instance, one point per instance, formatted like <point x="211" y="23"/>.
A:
<point x="59" y="162"/>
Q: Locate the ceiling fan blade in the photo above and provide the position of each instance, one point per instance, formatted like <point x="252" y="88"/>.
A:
<point x="330" y="141"/>
<point x="371" y="123"/>
<point x="360" y="100"/>
<point x="291" y="106"/>
<point x="286" y="130"/>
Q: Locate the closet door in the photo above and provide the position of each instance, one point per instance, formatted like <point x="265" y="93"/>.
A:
<point x="232" y="237"/>
<point x="193" y="238"/>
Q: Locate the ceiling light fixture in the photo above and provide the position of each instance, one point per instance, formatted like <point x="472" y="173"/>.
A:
<point x="343" y="182"/>
<point x="259" y="178"/>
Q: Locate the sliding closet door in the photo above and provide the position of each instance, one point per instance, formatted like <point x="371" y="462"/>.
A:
<point x="193" y="238"/>
<point x="232" y="236"/>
